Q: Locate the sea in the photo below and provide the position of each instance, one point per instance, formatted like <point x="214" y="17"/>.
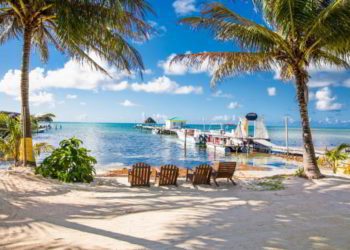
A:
<point x="118" y="145"/>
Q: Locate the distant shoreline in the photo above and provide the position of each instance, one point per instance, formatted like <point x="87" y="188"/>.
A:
<point x="208" y="124"/>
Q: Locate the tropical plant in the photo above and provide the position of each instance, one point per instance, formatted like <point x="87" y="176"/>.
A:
<point x="333" y="156"/>
<point x="300" y="173"/>
<point x="68" y="163"/>
<point x="78" y="28"/>
<point x="298" y="34"/>
<point x="42" y="147"/>
<point x="10" y="138"/>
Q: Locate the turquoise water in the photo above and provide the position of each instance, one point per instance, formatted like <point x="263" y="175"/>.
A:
<point x="120" y="144"/>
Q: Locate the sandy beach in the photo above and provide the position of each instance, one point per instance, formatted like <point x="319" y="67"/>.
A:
<point x="37" y="213"/>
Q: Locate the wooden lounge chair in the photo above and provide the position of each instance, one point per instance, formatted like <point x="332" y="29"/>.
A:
<point x="168" y="175"/>
<point x="201" y="175"/>
<point x="140" y="175"/>
<point x="224" y="170"/>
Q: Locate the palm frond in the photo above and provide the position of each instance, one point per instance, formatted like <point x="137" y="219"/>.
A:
<point x="226" y="64"/>
<point x="228" y="25"/>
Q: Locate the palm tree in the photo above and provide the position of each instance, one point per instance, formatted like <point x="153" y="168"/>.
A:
<point x="332" y="157"/>
<point x="77" y="28"/>
<point x="297" y="34"/>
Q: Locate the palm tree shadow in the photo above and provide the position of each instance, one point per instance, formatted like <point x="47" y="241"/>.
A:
<point x="211" y="217"/>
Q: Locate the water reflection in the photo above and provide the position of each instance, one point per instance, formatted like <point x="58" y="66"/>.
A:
<point x="118" y="145"/>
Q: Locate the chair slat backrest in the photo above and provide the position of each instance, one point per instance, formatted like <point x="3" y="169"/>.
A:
<point x="140" y="174"/>
<point x="202" y="174"/>
<point x="225" y="169"/>
<point x="168" y="175"/>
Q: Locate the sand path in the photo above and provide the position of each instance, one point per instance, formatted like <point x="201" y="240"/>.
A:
<point x="43" y="214"/>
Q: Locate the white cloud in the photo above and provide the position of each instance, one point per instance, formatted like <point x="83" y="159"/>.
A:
<point x="313" y="70"/>
<point x="347" y="83"/>
<point x="325" y="101"/>
<point x="69" y="96"/>
<point x="82" y="117"/>
<point x="82" y="103"/>
<point x="311" y="96"/>
<point x="42" y="97"/>
<point x="180" y="68"/>
<point x="183" y="7"/>
<point x="271" y="91"/>
<point x="221" y="94"/>
<point x="160" y="30"/>
<point x="313" y="83"/>
<point x="224" y="118"/>
<point x="324" y="68"/>
<point x="127" y="103"/>
<point x="233" y="105"/>
<point x="117" y="87"/>
<point x="160" y="117"/>
<point x="165" y="85"/>
<point x="73" y="75"/>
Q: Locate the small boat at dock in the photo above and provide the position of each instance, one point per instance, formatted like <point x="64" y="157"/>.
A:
<point x="194" y="136"/>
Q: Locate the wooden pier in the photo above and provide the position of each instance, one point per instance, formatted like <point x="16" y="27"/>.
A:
<point x="156" y="129"/>
<point x="246" y="145"/>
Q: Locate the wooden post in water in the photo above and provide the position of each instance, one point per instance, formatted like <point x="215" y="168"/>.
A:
<point x="185" y="143"/>
<point x="286" y="133"/>
<point x="214" y="152"/>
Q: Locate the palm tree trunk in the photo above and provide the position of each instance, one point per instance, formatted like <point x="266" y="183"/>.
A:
<point x="26" y="148"/>
<point x="310" y="163"/>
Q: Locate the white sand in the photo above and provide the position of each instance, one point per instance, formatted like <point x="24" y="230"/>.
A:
<point x="43" y="214"/>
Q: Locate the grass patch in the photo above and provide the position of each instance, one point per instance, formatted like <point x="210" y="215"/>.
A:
<point x="273" y="183"/>
<point x="300" y="173"/>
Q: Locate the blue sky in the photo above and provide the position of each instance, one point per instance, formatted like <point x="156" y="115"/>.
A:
<point x="76" y="93"/>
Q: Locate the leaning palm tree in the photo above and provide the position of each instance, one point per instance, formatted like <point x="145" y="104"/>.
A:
<point x="78" y="28"/>
<point x="297" y="34"/>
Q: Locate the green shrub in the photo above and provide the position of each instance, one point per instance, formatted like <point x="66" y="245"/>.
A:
<point x="69" y="163"/>
<point x="300" y="173"/>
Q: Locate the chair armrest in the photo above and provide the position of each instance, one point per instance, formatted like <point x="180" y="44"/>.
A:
<point x="188" y="173"/>
<point x="157" y="174"/>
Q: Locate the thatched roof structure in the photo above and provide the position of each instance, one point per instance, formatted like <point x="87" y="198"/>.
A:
<point x="13" y="114"/>
<point x="150" y="120"/>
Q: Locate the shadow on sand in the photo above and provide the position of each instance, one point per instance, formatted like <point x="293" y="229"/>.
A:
<point x="305" y="215"/>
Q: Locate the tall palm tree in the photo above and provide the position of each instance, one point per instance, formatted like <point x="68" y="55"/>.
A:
<point x="77" y="28"/>
<point x="296" y="34"/>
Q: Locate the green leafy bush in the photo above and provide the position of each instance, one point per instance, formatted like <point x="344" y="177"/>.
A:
<point x="300" y="173"/>
<point x="69" y="163"/>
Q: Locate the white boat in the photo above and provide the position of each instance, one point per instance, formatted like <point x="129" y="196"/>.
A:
<point x="155" y="131"/>
<point x="224" y="143"/>
<point x="193" y="136"/>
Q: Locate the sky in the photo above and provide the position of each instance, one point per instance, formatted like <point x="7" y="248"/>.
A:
<point x="75" y="92"/>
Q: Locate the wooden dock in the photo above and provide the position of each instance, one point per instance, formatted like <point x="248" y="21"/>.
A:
<point x="254" y="143"/>
<point x="156" y="129"/>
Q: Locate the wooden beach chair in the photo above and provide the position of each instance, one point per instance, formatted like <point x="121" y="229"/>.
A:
<point x="201" y="175"/>
<point x="168" y="175"/>
<point x="140" y="175"/>
<point x="224" y="170"/>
